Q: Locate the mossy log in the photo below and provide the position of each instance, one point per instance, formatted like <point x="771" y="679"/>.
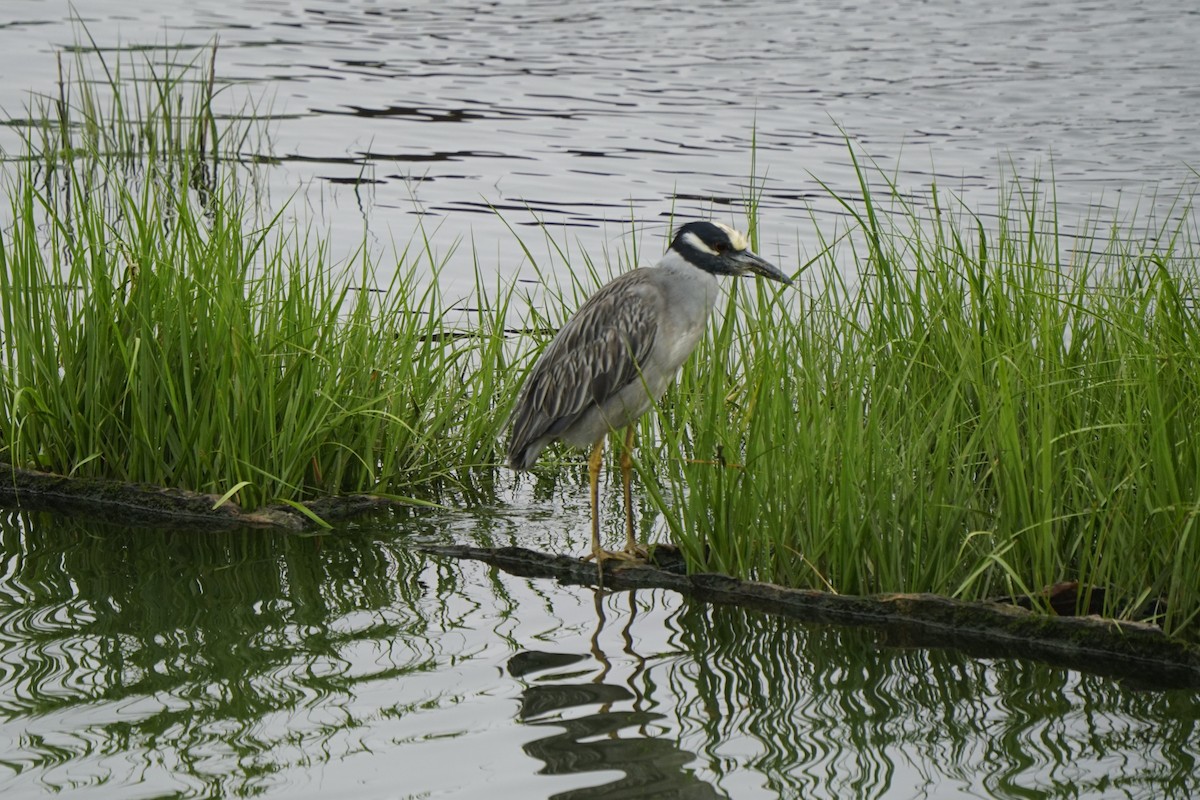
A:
<point x="141" y="504"/>
<point x="1137" y="652"/>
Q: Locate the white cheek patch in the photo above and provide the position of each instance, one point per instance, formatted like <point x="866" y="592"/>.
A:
<point x="698" y="243"/>
<point x="735" y="237"/>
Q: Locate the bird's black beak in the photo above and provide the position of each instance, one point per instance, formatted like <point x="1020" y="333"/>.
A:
<point x="752" y="262"/>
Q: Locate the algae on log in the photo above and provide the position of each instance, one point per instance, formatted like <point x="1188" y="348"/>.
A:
<point x="139" y="504"/>
<point x="1136" y="652"/>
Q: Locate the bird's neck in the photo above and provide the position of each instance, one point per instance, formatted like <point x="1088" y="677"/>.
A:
<point x="688" y="274"/>
<point x="685" y="269"/>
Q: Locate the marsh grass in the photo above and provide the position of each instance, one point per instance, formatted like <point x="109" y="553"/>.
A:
<point x="154" y="329"/>
<point x="988" y="409"/>
<point x="948" y="405"/>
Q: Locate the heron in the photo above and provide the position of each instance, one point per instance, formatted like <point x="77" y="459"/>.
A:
<point x="616" y="355"/>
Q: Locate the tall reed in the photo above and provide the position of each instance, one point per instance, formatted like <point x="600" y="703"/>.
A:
<point x="982" y="410"/>
<point x="154" y="329"/>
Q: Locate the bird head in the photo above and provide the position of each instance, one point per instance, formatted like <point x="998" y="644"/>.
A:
<point x="721" y="250"/>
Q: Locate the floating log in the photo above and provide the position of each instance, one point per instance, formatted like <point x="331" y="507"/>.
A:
<point x="1136" y="652"/>
<point x="147" y="505"/>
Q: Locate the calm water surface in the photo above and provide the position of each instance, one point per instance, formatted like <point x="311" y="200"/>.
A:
<point x="176" y="664"/>
<point x="585" y="117"/>
<point x="139" y="664"/>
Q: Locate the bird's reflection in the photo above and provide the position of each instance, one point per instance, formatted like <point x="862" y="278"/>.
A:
<point x="601" y="725"/>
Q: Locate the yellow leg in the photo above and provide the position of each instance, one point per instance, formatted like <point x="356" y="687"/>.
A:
<point x="631" y="545"/>
<point x="632" y="553"/>
<point x="594" y="460"/>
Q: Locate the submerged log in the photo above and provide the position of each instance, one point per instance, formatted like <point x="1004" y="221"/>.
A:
<point x="1136" y="652"/>
<point x="141" y="504"/>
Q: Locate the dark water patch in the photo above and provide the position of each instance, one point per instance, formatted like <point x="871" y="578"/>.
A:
<point x="530" y="661"/>
<point x="353" y="181"/>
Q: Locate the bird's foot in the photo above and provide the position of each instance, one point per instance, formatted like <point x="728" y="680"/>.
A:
<point x="627" y="557"/>
<point x="637" y="552"/>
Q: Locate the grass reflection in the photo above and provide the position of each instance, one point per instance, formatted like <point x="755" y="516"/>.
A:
<point x="242" y="664"/>
<point x="830" y="713"/>
<point x="203" y="649"/>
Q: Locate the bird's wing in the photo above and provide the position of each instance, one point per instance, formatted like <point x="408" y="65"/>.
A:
<point x="595" y="355"/>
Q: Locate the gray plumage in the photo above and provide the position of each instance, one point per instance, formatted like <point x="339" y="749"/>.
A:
<point x="613" y="358"/>
<point x="621" y="349"/>
<point x="617" y="354"/>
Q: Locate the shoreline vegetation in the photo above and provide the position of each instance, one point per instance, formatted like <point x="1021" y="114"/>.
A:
<point x="987" y="408"/>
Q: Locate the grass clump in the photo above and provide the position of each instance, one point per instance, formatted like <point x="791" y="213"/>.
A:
<point x="152" y="329"/>
<point x="983" y="412"/>
<point x="985" y="409"/>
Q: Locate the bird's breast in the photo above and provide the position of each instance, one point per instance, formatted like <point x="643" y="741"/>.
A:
<point x="690" y="299"/>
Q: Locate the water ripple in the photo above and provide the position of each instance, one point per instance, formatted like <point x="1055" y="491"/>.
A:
<point x="276" y="636"/>
<point x="671" y="103"/>
<point x="238" y="664"/>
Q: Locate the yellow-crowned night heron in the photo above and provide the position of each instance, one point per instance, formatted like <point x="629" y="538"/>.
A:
<point x="614" y="358"/>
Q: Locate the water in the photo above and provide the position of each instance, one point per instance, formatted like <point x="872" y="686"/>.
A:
<point x="589" y="119"/>
<point x="138" y="664"/>
<point x="157" y="663"/>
